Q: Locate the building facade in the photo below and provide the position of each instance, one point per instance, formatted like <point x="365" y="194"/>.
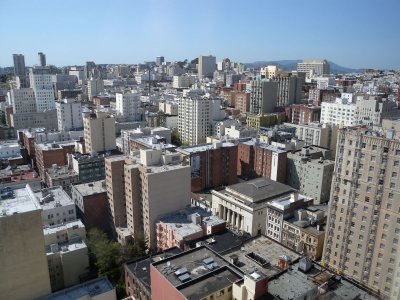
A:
<point x="99" y="130"/>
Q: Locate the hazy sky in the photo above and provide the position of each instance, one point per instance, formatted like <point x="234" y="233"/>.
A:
<point x="348" y="32"/>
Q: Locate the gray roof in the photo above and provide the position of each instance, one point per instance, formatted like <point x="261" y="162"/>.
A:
<point x="259" y="190"/>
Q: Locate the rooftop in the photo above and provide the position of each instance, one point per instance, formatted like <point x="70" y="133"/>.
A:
<point x="205" y="147"/>
<point x="60" y="227"/>
<point x="306" y="284"/>
<point x="91" y="188"/>
<point x="269" y="251"/>
<point x="53" y="197"/>
<point x="256" y="191"/>
<point x="141" y="268"/>
<point x="19" y="202"/>
<point x="73" y="245"/>
<point x="48" y="146"/>
<point x="254" y="142"/>
<point x="91" y="288"/>
<point x="60" y="172"/>
<point x="193" y="263"/>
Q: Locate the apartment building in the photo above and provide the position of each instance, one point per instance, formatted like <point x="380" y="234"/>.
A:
<point x="94" y="87"/>
<point x="256" y="159"/>
<point x="212" y="165"/>
<point x="263" y="96"/>
<point x="40" y="79"/>
<point x="128" y="106"/>
<point x="310" y="171"/>
<point x="340" y="113"/>
<point x="206" y="66"/>
<point x="22" y="100"/>
<point x="99" y="130"/>
<point x="194" y="119"/>
<point x="182" y="81"/>
<point x="363" y="221"/>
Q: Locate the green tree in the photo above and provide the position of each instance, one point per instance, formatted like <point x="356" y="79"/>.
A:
<point x="176" y="138"/>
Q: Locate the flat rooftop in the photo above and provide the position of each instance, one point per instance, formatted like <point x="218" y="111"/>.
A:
<point x="194" y="263"/>
<point x="53" y="197"/>
<point x="204" y="147"/>
<point x="60" y="227"/>
<point x="91" y="188"/>
<point x="257" y="191"/>
<point x="265" y="248"/>
<point x="55" y="146"/>
<point x="141" y="268"/>
<point x="294" y="284"/>
<point x="85" y="290"/>
<point x="253" y="142"/>
<point x="60" y="172"/>
<point x="20" y="202"/>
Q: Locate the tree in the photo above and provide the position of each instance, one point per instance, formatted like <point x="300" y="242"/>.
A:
<point x="176" y="138"/>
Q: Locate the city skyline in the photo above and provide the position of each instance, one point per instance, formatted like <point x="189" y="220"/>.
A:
<point x="74" y="32"/>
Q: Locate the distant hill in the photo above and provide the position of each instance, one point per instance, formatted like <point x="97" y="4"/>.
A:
<point x="291" y="64"/>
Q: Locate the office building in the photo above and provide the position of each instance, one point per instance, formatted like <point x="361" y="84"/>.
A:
<point x="314" y="67"/>
<point x="22" y="100"/>
<point x="24" y="273"/>
<point x="289" y="89"/>
<point x="46" y="119"/>
<point x="69" y="114"/>
<point x="19" y="65"/>
<point x="263" y="96"/>
<point x="99" y="131"/>
<point x="363" y="221"/>
<point x="194" y="119"/>
<point x="159" y="60"/>
<point x="310" y="171"/>
<point x="89" y="167"/>
<point x="370" y="110"/>
<point x="182" y="81"/>
<point x="206" y="66"/>
<point x="212" y="165"/>
<point x="339" y="113"/>
<point x="42" y="59"/>
<point x="41" y="82"/>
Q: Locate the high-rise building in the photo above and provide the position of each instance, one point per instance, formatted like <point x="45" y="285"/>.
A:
<point x="159" y="60"/>
<point x="363" y="225"/>
<point x="42" y="59"/>
<point x="89" y="70"/>
<point x="40" y="79"/>
<point x="289" y="89"/>
<point x="69" y="114"/>
<point x="19" y="65"/>
<point x="314" y="67"/>
<point x="206" y="66"/>
<point x="194" y="119"/>
<point x="263" y="97"/>
<point x="99" y="131"/>
<point x="22" y="100"/>
<point x="24" y="273"/>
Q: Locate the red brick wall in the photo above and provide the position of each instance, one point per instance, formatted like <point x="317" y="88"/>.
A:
<point x="161" y="289"/>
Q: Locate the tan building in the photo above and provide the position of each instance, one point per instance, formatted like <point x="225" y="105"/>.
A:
<point x="114" y="166"/>
<point x="143" y="188"/>
<point x="363" y="225"/>
<point x="23" y="272"/>
<point x="99" y="131"/>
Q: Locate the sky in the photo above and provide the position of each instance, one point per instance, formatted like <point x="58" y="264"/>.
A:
<point x="351" y="33"/>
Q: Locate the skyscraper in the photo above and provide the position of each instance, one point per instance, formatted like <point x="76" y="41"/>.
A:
<point x="206" y="66"/>
<point x="19" y="65"/>
<point x="42" y="59"/>
<point x="363" y="227"/>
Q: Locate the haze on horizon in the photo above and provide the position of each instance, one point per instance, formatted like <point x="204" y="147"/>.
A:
<point x="357" y="34"/>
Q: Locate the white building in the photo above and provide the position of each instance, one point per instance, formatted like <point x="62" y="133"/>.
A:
<point x="22" y="100"/>
<point x="57" y="206"/>
<point x="324" y="82"/>
<point x="9" y="149"/>
<point x="41" y="81"/>
<point x="183" y="81"/>
<point x="270" y="72"/>
<point x="194" y="119"/>
<point x="94" y="87"/>
<point x="340" y="113"/>
<point x="371" y="110"/>
<point x="169" y="108"/>
<point x="69" y="114"/>
<point x="128" y="106"/>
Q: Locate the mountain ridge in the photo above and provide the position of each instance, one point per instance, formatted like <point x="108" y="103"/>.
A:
<point x="291" y="64"/>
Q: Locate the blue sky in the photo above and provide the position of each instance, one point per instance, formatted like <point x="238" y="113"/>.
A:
<point x="348" y="32"/>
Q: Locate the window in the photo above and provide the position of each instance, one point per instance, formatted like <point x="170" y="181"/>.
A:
<point x="374" y="147"/>
<point x="371" y="168"/>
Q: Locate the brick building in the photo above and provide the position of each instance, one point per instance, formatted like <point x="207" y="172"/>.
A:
<point x="48" y="154"/>
<point x="257" y="159"/>
<point x="303" y="114"/>
<point x="212" y="165"/>
<point x="241" y="101"/>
